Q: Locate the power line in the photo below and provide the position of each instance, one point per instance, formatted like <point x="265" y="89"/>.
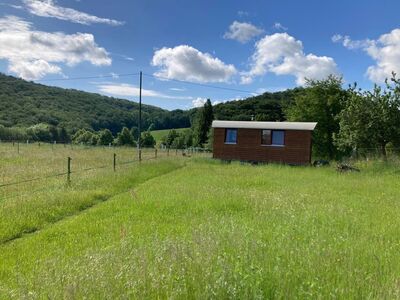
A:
<point x="116" y="76"/>
<point x="201" y="84"/>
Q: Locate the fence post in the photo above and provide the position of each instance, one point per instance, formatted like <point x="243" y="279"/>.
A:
<point x="155" y="153"/>
<point x="18" y="147"/>
<point x="69" y="170"/>
<point x="140" y="155"/>
<point x="115" y="162"/>
<point x="168" y="151"/>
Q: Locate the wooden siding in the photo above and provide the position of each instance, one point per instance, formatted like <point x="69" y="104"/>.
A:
<point x="297" y="148"/>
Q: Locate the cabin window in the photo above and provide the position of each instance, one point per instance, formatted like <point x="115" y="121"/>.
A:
<point x="231" y="136"/>
<point x="272" y="137"/>
<point x="265" y="137"/>
<point x="278" y="138"/>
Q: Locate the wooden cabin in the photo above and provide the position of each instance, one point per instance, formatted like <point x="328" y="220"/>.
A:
<point x="282" y="142"/>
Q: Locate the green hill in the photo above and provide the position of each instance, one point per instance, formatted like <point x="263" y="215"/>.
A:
<point x="24" y="104"/>
<point x="265" y="107"/>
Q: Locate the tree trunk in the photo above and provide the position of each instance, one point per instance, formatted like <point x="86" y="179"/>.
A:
<point x="383" y="151"/>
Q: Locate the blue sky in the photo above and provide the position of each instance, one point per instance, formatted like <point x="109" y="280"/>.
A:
<point x="250" y="46"/>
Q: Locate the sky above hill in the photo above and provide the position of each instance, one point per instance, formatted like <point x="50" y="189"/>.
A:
<point x="224" y="49"/>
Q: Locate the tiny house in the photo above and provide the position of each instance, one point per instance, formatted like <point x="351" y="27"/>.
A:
<point x="283" y="142"/>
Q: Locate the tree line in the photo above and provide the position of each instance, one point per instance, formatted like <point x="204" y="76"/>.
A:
<point x="350" y="121"/>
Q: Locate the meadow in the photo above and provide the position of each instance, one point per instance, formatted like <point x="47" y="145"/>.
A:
<point x="159" y="134"/>
<point x="186" y="228"/>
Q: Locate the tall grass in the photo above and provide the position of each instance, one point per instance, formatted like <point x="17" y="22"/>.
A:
<point x="212" y="230"/>
<point x="28" y="207"/>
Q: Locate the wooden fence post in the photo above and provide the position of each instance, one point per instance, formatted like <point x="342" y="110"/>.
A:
<point x="155" y="153"/>
<point x="115" y="162"/>
<point x="18" y="147"/>
<point x="69" y="170"/>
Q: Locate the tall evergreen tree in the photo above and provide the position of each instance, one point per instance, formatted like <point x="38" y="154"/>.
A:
<point x="205" y="116"/>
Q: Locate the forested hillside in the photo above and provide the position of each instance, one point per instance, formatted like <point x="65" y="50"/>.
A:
<point x="265" y="107"/>
<point x="25" y="104"/>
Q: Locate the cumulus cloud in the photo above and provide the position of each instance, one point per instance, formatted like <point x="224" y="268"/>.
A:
<point x="199" y="102"/>
<point x="48" y="8"/>
<point x="242" y="32"/>
<point x="187" y="63"/>
<point x="33" y="54"/>
<point x="33" y="69"/>
<point x="129" y="90"/>
<point x="282" y="54"/>
<point x="385" y="51"/>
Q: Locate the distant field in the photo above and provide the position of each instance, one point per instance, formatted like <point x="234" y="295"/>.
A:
<point x="159" y="134"/>
<point x="181" y="227"/>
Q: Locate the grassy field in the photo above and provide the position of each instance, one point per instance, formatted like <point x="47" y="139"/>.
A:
<point x="30" y="206"/>
<point x="184" y="228"/>
<point x="159" y="134"/>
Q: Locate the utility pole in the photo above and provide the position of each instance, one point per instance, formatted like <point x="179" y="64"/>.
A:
<point x="140" y="118"/>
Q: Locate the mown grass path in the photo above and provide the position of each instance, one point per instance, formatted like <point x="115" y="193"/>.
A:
<point x="211" y="230"/>
<point x="27" y="214"/>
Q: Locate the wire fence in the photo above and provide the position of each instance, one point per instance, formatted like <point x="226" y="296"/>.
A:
<point x="26" y="170"/>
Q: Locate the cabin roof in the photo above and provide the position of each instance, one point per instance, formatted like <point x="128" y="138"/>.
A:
<point x="265" y="125"/>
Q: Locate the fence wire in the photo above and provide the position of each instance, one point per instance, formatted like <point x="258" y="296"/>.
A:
<point x="159" y="153"/>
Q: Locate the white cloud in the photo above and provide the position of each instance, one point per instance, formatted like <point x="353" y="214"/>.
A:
<point x="199" y="102"/>
<point x="242" y="32"/>
<point x="32" y="54"/>
<point x="187" y="63"/>
<point x="348" y="43"/>
<point x="279" y="26"/>
<point x="282" y="54"/>
<point x="48" y="8"/>
<point x="177" y="89"/>
<point x="129" y="90"/>
<point x="385" y="51"/>
<point x="33" y="69"/>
